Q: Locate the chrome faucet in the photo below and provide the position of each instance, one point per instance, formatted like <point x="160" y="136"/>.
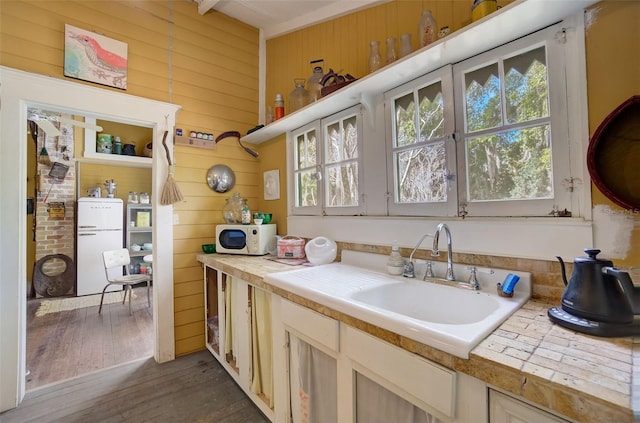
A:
<point x="409" y="271"/>
<point x="435" y="252"/>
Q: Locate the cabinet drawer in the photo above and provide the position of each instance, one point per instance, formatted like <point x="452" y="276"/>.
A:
<point x="433" y="385"/>
<point x="322" y="329"/>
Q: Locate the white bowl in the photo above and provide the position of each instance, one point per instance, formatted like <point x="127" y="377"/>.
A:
<point x="147" y="246"/>
<point x="321" y="250"/>
<point x="135" y="247"/>
<point x="257" y="221"/>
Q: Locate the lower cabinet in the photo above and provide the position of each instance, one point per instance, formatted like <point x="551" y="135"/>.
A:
<point x="300" y="366"/>
<point x="507" y="409"/>
<point x="331" y="372"/>
<point x="239" y="334"/>
<point x="306" y="389"/>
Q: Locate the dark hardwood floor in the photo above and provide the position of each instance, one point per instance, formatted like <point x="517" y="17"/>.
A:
<point x="67" y="344"/>
<point x="193" y="388"/>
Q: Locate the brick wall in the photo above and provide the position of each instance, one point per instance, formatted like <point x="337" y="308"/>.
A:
<point x="56" y="235"/>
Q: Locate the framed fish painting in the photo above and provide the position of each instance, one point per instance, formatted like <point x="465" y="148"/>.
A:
<point x="95" y="58"/>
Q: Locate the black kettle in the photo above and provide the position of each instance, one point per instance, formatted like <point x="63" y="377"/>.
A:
<point x="597" y="291"/>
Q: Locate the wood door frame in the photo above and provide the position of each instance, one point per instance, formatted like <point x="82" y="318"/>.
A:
<point x="21" y="90"/>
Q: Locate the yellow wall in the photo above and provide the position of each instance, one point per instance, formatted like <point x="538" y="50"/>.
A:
<point x="613" y="76"/>
<point x="206" y="64"/>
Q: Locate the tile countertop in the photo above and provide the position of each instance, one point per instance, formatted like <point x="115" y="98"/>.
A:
<point x="585" y="378"/>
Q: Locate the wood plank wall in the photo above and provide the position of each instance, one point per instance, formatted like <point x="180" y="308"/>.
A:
<point x="207" y="64"/>
<point x="343" y="43"/>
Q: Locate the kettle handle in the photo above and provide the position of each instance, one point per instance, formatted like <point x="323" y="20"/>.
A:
<point x="632" y="293"/>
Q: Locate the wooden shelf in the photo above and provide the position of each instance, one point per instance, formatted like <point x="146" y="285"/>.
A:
<point x="194" y="142"/>
<point x="513" y="21"/>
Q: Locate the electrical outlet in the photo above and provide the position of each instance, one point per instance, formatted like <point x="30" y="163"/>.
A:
<point x="176" y="219"/>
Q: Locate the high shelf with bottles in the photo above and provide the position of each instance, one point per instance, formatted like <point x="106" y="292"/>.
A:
<point x="138" y="234"/>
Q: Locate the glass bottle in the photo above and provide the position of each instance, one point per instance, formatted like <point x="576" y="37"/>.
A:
<point x="246" y="215"/>
<point x="427" y="28"/>
<point x="313" y="84"/>
<point x="375" y="60"/>
<point x="269" y="115"/>
<point x="405" y="45"/>
<point x="299" y="97"/>
<point x="391" y="50"/>
<point x="279" y="106"/>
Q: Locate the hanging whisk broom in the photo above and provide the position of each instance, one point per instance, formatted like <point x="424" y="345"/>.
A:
<point x="43" y="157"/>
<point x="171" y="193"/>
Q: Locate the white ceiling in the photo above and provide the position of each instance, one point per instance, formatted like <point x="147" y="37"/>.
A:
<point x="278" y="17"/>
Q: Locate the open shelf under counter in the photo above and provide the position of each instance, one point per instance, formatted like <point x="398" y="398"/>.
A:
<point x="513" y="21"/>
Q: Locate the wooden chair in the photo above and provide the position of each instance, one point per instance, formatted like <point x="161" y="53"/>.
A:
<point x="116" y="259"/>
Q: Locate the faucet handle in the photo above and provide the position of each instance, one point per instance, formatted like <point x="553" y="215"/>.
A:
<point x="429" y="272"/>
<point x="473" y="278"/>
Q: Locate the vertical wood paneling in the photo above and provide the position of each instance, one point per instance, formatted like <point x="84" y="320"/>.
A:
<point x="208" y="64"/>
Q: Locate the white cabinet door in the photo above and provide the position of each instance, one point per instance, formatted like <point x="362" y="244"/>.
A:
<point x="409" y="379"/>
<point x="306" y="345"/>
<point x="505" y="409"/>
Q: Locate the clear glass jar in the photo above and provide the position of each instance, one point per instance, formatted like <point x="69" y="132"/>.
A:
<point x="313" y="84"/>
<point x="375" y="60"/>
<point x="133" y="197"/>
<point x="405" y="45"/>
<point x="392" y="56"/>
<point x="299" y="97"/>
<point x="427" y="28"/>
<point x="232" y="212"/>
<point x="144" y="198"/>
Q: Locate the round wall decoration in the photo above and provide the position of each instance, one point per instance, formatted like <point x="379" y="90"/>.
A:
<point x="613" y="158"/>
<point x="221" y="178"/>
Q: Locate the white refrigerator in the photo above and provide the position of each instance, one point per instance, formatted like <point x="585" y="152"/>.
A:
<point x="99" y="228"/>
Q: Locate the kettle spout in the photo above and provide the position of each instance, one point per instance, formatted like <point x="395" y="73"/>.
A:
<point x="564" y="273"/>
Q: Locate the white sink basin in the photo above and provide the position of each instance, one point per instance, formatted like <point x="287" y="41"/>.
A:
<point x="429" y="302"/>
<point x="449" y="318"/>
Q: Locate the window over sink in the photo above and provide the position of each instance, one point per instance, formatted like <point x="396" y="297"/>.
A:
<point x="486" y="136"/>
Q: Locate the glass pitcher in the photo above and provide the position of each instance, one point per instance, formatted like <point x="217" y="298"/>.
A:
<point x="232" y="212"/>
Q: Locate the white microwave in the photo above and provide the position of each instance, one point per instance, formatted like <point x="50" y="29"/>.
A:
<point x="253" y="240"/>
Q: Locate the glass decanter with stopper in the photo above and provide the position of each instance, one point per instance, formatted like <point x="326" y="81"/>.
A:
<point x="232" y="212"/>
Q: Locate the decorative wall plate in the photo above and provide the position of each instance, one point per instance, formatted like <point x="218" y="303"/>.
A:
<point x="272" y="185"/>
<point x="613" y="158"/>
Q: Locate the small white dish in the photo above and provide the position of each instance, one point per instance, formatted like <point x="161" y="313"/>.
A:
<point x="135" y="247"/>
<point x="257" y="221"/>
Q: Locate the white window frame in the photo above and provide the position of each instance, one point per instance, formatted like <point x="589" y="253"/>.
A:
<point x="292" y="155"/>
<point x="568" y="109"/>
<point x="320" y="128"/>
<point x="444" y="208"/>
<point x="558" y="121"/>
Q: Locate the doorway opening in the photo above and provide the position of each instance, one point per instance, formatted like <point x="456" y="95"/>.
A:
<point x="22" y="90"/>
<point x="65" y="335"/>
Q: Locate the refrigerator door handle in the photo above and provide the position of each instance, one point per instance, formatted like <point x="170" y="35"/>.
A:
<point x="87" y="226"/>
<point x="87" y="234"/>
